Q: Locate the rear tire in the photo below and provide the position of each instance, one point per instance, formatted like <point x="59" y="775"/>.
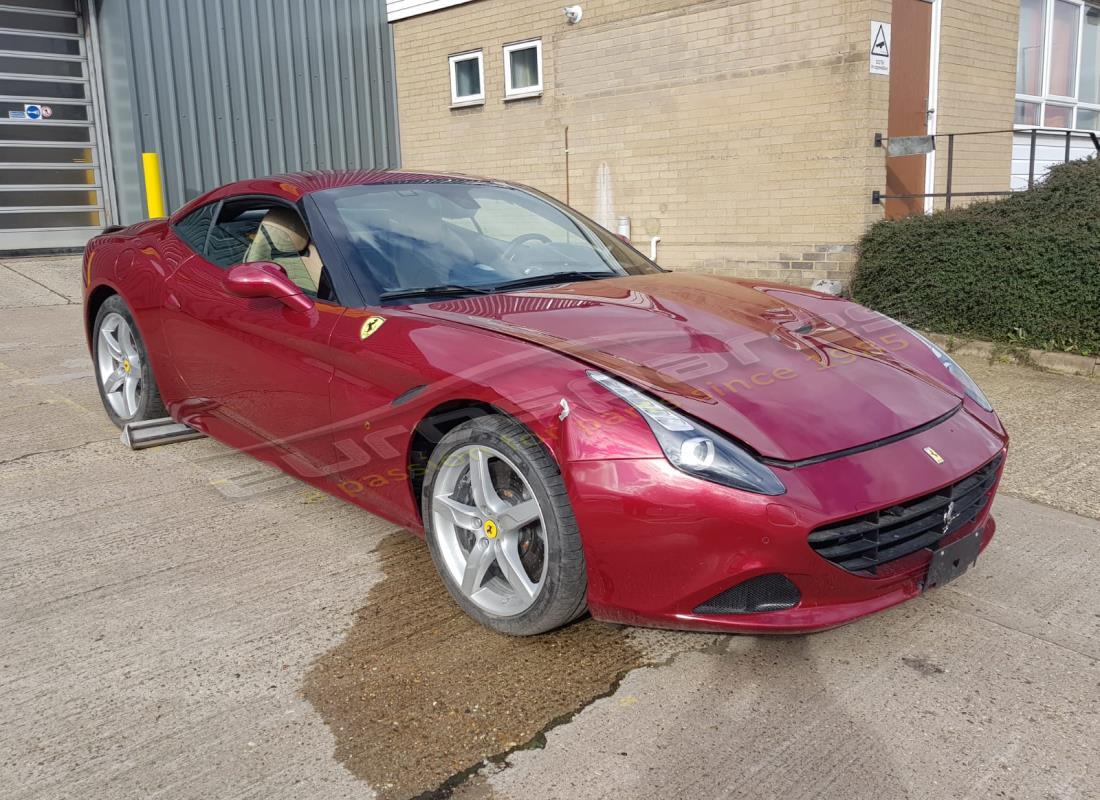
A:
<point x="123" y="373"/>
<point x="501" y="530"/>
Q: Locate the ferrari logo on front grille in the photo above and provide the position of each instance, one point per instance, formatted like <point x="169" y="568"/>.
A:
<point x="949" y="516"/>
<point x="932" y="454"/>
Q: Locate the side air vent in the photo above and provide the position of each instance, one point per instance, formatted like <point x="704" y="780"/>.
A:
<point x="763" y="593"/>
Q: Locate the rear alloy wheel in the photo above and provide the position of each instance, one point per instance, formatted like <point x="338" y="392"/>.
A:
<point x="125" y="378"/>
<point x="500" y="528"/>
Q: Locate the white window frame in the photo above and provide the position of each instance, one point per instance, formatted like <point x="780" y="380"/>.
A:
<point x="511" y="92"/>
<point x="1058" y="100"/>
<point x="469" y="99"/>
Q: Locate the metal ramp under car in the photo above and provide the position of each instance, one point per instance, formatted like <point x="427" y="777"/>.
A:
<point x="155" y="432"/>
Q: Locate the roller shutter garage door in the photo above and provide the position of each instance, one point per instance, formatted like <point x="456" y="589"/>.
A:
<point x="52" y="192"/>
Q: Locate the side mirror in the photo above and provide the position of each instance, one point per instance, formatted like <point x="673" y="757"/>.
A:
<point x="266" y="279"/>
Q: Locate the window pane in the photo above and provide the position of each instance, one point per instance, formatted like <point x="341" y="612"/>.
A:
<point x="233" y="233"/>
<point x="1090" y="57"/>
<point x="45" y="176"/>
<point x="51" y="5"/>
<point x="39" y="44"/>
<point x="1088" y="120"/>
<point x="1063" y="49"/>
<point x="194" y="227"/>
<point x="15" y="154"/>
<point x="36" y="90"/>
<point x="38" y="22"/>
<point x="1027" y="113"/>
<point x="41" y="66"/>
<point x="1029" y="56"/>
<point x="43" y="132"/>
<point x="467" y="78"/>
<point x="50" y="219"/>
<point x="282" y="238"/>
<point x="405" y="236"/>
<point x="1058" y="116"/>
<point x="63" y="197"/>
<point x="504" y="220"/>
<point x="525" y="68"/>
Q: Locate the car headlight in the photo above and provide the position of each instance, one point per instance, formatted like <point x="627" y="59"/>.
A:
<point x="694" y="448"/>
<point x="971" y="388"/>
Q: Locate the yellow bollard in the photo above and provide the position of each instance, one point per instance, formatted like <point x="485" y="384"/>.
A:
<point x="154" y="185"/>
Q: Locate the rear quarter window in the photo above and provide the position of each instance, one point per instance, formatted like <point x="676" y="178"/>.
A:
<point x="194" y="227"/>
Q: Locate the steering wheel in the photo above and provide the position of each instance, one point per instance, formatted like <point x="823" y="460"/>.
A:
<point x="513" y="247"/>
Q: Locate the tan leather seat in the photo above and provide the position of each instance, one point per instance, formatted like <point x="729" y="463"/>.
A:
<point x="282" y="238"/>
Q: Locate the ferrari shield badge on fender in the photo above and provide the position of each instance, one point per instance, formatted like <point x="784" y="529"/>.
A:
<point x="932" y="454"/>
<point x="370" y="325"/>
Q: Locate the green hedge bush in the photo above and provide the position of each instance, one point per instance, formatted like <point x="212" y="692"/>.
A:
<point x="1024" y="269"/>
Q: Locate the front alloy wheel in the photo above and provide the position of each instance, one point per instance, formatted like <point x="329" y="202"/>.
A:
<point x="490" y="530"/>
<point x="500" y="528"/>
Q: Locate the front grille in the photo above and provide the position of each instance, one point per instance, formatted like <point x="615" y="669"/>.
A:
<point x="762" y="593"/>
<point x="864" y="543"/>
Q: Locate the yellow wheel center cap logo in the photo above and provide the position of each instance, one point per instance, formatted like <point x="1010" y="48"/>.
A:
<point x="126" y="366"/>
<point x="490" y="529"/>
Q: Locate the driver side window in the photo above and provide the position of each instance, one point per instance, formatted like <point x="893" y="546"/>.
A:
<point x="247" y="231"/>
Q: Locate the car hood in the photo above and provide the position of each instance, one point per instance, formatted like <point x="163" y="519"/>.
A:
<point x="783" y="370"/>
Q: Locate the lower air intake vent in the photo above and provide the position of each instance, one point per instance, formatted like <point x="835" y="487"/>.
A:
<point x="762" y="593"/>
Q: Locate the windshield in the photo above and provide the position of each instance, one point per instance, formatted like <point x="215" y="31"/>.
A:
<point x="435" y="238"/>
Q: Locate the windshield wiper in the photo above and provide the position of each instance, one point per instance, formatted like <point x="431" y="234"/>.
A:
<point x="554" y="277"/>
<point x="449" y="289"/>
<point x="432" y="291"/>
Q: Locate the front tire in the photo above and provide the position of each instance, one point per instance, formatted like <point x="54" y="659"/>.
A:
<point x="500" y="528"/>
<point x="122" y="369"/>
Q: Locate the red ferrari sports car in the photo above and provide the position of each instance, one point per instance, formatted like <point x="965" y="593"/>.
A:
<point x="569" y="426"/>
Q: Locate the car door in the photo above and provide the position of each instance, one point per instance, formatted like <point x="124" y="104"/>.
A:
<point x="257" y="371"/>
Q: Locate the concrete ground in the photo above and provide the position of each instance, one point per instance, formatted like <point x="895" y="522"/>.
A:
<point x="164" y="616"/>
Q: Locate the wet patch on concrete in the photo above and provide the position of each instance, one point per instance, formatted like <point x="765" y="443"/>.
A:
<point x="922" y="665"/>
<point x="418" y="695"/>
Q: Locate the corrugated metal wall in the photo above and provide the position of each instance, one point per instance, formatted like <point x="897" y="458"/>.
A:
<point x="229" y="89"/>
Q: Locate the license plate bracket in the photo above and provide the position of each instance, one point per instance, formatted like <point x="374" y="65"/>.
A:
<point x="953" y="560"/>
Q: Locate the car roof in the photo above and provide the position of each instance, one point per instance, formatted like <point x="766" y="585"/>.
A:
<point x="294" y="186"/>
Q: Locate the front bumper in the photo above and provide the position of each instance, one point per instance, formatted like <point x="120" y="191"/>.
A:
<point x="659" y="543"/>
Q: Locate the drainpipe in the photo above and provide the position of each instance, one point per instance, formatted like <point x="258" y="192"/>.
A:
<point x="567" y="165"/>
<point x="653" y="247"/>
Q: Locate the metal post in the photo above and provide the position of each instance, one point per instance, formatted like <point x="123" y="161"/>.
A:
<point x="1068" y="134"/>
<point x="1031" y="160"/>
<point x="154" y="185"/>
<point x="89" y="11"/>
<point x="950" y="164"/>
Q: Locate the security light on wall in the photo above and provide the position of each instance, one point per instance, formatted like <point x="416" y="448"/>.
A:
<point x="573" y="14"/>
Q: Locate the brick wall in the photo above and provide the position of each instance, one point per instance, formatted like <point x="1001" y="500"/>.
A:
<point x="738" y="131"/>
